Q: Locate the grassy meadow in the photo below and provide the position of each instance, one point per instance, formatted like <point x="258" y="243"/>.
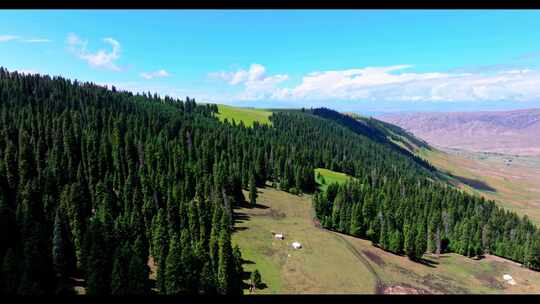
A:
<point x="328" y="177"/>
<point x="334" y="263"/>
<point x="248" y="116"/>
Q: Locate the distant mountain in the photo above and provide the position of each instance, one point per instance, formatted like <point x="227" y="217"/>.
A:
<point x="509" y="132"/>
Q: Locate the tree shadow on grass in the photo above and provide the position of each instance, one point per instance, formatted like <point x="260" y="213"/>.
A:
<point x="259" y="206"/>
<point x="474" y="183"/>
<point x="240" y="217"/>
<point x="237" y="229"/>
<point x="246" y="276"/>
<point x="246" y="204"/>
<point x="429" y="263"/>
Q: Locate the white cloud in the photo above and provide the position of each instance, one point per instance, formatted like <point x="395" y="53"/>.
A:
<point x="389" y="83"/>
<point x="6" y="38"/>
<point x="36" y="40"/>
<point x="255" y="73"/>
<point x="255" y="82"/>
<point x="99" y="59"/>
<point x="156" y="74"/>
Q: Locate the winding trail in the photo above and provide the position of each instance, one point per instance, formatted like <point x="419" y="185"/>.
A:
<point x="379" y="286"/>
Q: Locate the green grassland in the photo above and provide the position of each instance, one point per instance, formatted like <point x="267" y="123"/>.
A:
<point x="334" y="263"/>
<point x="328" y="177"/>
<point x="248" y="116"/>
<point x="323" y="265"/>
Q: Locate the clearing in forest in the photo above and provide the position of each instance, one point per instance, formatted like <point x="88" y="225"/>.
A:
<point x="328" y="177"/>
<point x="322" y="265"/>
<point x="334" y="263"/>
<point x="248" y="116"/>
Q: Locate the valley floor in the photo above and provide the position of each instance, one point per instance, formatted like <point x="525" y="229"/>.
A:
<point x="330" y="262"/>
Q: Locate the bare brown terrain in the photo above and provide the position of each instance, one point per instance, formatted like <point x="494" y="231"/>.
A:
<point x="508" y="132"/>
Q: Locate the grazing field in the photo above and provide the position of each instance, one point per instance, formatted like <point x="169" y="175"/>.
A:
<point x="328" y="177"/>
<point x="448" y="274"/>
<point x="512" y="181"/>
<point x="322" y="265"/>
<point x="248" y="116"/>
<point x="330" y="262"/>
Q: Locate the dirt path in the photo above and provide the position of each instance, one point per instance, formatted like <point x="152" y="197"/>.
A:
<point x="379" y="286"/>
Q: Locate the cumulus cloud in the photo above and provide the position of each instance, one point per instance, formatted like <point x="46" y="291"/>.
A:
<point x="156" y="74"/>
<point x="99" y="59"/>
<point x="256" y="83"/>
<point x="392" y="83"/>
<point x="255" y="72"/>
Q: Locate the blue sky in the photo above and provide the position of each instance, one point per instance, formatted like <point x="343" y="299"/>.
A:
<point x="370" y="60"/>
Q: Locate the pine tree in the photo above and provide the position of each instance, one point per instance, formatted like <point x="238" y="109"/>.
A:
<point x="255" y="279"/>
<point x="225" y="267"/>
<point x="395" y="242"/>
<point x="59" y="254"/>
<point x="238" y="271"/>
<point x="420" y="243"/>
<point x="10" y="160"/>
<point x="409" y="242"/>
<point x="207" y="284"/>
<point x="174" y="284"/>
<point x="252" y="190"/>
<point x="138" y="272"/>
<point x="533" y="254"/>
<point x="120" y="278"/>
<point x="97" y="266"/>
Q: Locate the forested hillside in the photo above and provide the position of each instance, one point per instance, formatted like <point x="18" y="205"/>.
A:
<point x="94" y="181"/>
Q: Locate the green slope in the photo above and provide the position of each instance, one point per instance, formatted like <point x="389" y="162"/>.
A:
<point x="248" y="116"/>
<point x="328" y="177"/>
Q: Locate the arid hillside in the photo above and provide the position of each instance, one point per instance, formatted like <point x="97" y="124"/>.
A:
<point x="507" y="132"/>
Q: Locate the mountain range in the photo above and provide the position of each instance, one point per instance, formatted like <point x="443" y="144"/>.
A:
<point x="507" y="132"/>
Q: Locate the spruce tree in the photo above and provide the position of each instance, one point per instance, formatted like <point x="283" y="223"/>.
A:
<point x="409" y="242"/>
<point x="420" y="242"/>
<point x="207" y="284"/>
<point x="120" y="279"/>
<point x="255" y="279"/>
<point x="252" y="190"/>
<point x="138" y="272"/>
<point x="174" y="279"/>
<point x="225" y="266"/>
<point x="59" y="249"/>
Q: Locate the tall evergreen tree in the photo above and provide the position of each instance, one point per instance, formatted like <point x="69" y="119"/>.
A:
<point x="252" y="190"/>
